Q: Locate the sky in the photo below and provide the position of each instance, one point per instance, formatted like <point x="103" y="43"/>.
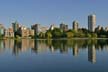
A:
<point x="47" y="12"/>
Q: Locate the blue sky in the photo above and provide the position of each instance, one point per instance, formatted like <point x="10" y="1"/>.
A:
<point x="47" y="12"/>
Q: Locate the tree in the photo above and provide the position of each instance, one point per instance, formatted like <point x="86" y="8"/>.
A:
<point x="94" y="35"/>
<point x="101" y="33"/>
<point x="79" y="35"/>
<point x="69" y="34"/>
<point x="41" y="35"/>
<point x="48" y="34"/>
<point x="57" y="33"/>
<point x="88" y="35"/>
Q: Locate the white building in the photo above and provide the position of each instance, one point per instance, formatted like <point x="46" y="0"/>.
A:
<point x="75" y="25"/>
<point x="91" y="22"/>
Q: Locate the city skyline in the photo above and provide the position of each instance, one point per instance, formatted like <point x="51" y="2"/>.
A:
<point x="52" y="12"/>
<point x="91" y="25"/>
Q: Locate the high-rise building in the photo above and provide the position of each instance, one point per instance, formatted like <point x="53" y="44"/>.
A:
<point x="15" y="26"/>
<point x="36" y="28"/>
<point x="91" y="22"/>
<point x="64" y="27"/>
<point x="2" y="29"/>
<point x="75" y="25"/>
<point x="9" y="32"/>
<point x="23" y="31"/>
<point x="31" y="32"/>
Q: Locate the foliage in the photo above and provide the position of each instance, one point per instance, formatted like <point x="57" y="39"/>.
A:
<point x="48" y="34"/>
<point x="57" y="33"/>
<point x="41" y="35"/>
<point x="81" y="33"/>
<point x="88" y="35"/>
<point x="69" y="34"/>
<point x="94" y="35"/>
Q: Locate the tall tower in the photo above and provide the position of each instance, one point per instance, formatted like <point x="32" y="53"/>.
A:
<point x="64" y="27"/>
<point x="15" y="26"/>
<point x="91" y="22"/>
<point x="36" y="28"/>
<point x="75" y="25"/>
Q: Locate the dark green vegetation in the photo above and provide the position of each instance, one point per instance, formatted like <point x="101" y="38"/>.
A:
<point x="81" y="33"/>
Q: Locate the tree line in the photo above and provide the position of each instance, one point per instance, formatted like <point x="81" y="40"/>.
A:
<point x="80" y="33"/>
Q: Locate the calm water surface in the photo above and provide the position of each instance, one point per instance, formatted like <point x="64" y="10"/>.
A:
<point x="73" y="55"/>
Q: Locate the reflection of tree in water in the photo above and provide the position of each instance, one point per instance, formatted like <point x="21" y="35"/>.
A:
<point x="1" y="46"/>
<point x="17" y="47"/>
<point x="22" y="45"/>
<point x="39" y="46"/>
<point x="101" y="44"/>
<point x="34" y="49"/>
<point x="63" y="45"/>
<point x="76" y="44"/>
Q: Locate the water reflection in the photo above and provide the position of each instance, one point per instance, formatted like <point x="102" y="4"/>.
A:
<point x="53" y="46"/>
<point x="92" y="53"/>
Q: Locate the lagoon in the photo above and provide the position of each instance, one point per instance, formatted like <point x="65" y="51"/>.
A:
<point x="67" y="55"/>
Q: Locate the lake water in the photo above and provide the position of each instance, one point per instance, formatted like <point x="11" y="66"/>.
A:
<point x="72" y="55"/>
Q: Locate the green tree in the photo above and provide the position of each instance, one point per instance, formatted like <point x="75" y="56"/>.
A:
<point x="80" y="35"/>
<point x="57" y="33"/>
<point x="41" y="35"/>
<point x="69" y="34"/>
<point x="48" y="34"/>
<point x="94" y="35"/>
<point x="88" y="35"/>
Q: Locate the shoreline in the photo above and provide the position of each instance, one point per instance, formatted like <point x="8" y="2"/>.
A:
<point x="51" y="38"/>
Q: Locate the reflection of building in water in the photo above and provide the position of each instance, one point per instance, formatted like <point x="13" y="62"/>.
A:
<point x="49" y="43"/>
<point x="40" y="46"/>
<point x="25" y="44"/>
<point x="17" y="47"/>
<point x="9" y="43"/>
<point x="31" y="43"/>
<point x="64" y="48"/>
<point x="51" y="49"/>
<point x="22" y="45"/>
<point x="92" y="53"/>
<point x="6" y="43"/>
<point x="35" y="46"/>
<point x="75" y="50"/>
